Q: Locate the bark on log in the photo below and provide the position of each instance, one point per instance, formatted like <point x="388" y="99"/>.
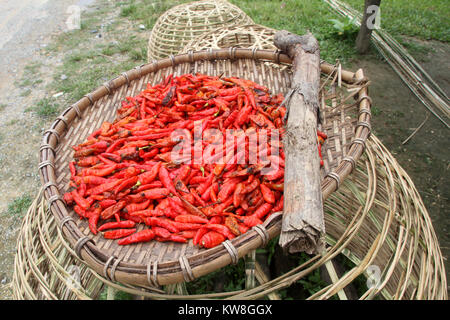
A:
<point x="303" y="223"/>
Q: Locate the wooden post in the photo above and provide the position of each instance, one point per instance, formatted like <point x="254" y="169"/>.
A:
<point x="365" y="32"/>
<point x="302" y="225"/>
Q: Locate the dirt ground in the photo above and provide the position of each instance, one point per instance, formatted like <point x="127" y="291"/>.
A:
<point x="396" y="114"/>
<point x="26" y="30"/>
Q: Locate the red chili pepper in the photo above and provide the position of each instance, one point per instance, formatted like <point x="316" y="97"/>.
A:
<point x="250" y="221"/>
<point x="103" y="188"/>
<point x="263" y="210"/>
<point x="118" y="233"/>
<point x="161" y="232"/>
<point x="199" y="234"/>
<point x="116" y="225"/>
<point x="111" y="211"/>
<point x="166" y="181"/>
<point x="80" y="201"/>
<point x="233" y="225"/>
<point x="149" y="176"/>
<point x="205" y="185"/>
<point x="187" y="234"/>
<point x="227" y="190"/>
<point x="251" y="186"/>
<point x="163" y="223"/>
<point x="94" y="216"/>
<point x="221" y="229"/>
<point x="275" y="186"/>
<point x="321" y="134"/>
<point x="132" y="207"/>
<point x="73" y="170"/>
<point x="190" y="218"/>
<point x="88" y="161"/>
<point x="151" y="185"/>
<point x="173" y="238"/>
<point x="156" y="193"/>
<point x="267" y="193"/>
<point x="197" y="197"/>
<point x="68" y="198"/>
<point x="98" y="172"/>
<point x="141" y="236"/>
<point x="279" y="205"/>
<point x="186" y="226"/>
<point x="211" y="239"/>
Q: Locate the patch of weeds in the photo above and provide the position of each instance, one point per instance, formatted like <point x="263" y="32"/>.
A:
<point x="25" y="93"/>
<point x="138" y="54"/>
<point x="128" y="10"/>
<point x="360" y="282"/>
<point x="146" y="12"/>
<point x="118" y="295"/>
<point x="12" y="122"/>
<point x="45" y="108"/>
<point x="375" y="111"/>
<point x="19" y="206"/>
<point x="3" y="106"/>
<point x="232" y="277"/>
<point x="30" y="75"/>
<point x="279" y="263"/>
<point x="345" y="29"/>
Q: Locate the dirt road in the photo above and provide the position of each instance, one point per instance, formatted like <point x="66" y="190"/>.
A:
<point x="26" y="27"/>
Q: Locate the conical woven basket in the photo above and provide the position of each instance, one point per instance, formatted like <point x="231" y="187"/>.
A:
<point x="240" y="36"/>
<point x="346" y="114"/>
<point x="182" y="23"/>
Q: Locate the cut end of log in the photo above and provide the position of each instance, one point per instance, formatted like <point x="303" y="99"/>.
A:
<point x="310" y="242"/>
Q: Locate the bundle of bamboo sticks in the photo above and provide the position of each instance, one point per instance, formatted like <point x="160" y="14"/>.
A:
<point x="407" y="68"/>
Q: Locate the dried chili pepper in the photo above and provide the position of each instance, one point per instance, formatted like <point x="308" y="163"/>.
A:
<point x="117" y="225"/>
<point x="118" y="233"/>
<point x="141" y="236"/>
<point x="211" y="239"/>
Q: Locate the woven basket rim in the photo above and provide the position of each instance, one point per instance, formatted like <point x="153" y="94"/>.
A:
<point x="174" y="271"/>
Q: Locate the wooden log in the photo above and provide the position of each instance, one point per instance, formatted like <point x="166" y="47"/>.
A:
<point x="303" y="222"/>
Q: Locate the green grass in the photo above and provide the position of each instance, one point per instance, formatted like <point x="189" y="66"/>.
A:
<point x="89" y="61"/>
<point x="299" y="17"/>
<point x="25" y="93"/>
<point x="118" y="295"/>
<point x="145" y="12"/>
<point x="30" y="77"/>
<point x="425" y="20"/>
<point x="45" y="108"/>
<point x="19" y="206"/>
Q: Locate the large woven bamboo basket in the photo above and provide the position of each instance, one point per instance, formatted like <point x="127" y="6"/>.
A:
<point x="378" y="200"/>
<point x="182" y="23"/>
<point x="345" y="110"/>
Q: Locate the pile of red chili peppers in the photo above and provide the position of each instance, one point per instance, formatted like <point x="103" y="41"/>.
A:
<point x="125" y="173"/>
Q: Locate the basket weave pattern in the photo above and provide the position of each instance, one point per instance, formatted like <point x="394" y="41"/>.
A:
<point x="241" y="36"/>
